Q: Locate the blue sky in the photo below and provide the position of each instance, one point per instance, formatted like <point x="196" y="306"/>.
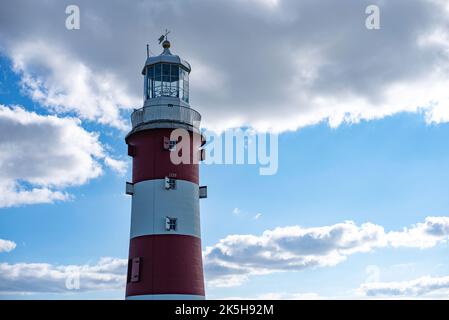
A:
<point x="392" y="172"/>
<point x="387" y="166"/>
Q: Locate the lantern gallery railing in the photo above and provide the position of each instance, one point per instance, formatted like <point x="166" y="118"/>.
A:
<point x="160" y="113"/>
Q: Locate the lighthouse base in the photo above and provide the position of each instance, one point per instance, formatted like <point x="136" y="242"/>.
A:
<point x="169" y="265"/>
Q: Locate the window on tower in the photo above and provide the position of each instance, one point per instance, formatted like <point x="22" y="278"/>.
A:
<point x="170" y="183"/>
<point x="167" y="80"/>
<point x="184" y="84"/>
<point x="171" y="224"/>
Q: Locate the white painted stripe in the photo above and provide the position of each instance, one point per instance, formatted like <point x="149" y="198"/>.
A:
<point x="166" y="297"/>
<point x="152" y="203"/>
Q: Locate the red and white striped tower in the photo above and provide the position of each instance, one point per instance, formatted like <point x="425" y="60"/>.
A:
<point x="165" y="248"/>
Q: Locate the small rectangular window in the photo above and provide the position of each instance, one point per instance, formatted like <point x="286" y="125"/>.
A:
<point x="170" y="183"/>
<point x="172" y="145"/>
<point x="169" y="145"/>
<point x="135" y="269"/>
<point x="166" y="143"/>
<point x="151" y="72"/>
<point x="157" y="91"/>
<point x="180" y="87"/>
<point x="158" y="72"/>
<point x="174" y="73"/>
<point x="171" y="223"/>
<point x="150" y="93"/>
<point x="165" y="69"/>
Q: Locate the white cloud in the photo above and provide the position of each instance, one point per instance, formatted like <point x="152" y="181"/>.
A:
<point x="422" y="287"/>
<point x="257" y="216"/>
<point x="7" y="245"/>
<point x="22" y="278"/>
<point x="42" y="155"/>
<point x="56" y="79"/>
<point x="12" y="194"/>
<point x="235" y="258"/>
<point x="236" y="211"/>
<point x="107" y="274"/>
<point x="421" y="235"/>
<point x="118" y="166"/>
<point x="273" y="65"/>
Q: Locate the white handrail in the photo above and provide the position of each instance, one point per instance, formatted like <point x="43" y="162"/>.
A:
<point x="168" y="113"/>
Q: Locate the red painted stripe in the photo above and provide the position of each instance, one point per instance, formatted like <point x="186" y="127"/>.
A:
<point x="169" y="264"/>
<point x="151" y="161"/>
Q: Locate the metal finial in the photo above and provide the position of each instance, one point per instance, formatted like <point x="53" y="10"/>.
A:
<point x="166" y="44"/>
<point x="148" y="50"/>
<point x="164" y="36"/>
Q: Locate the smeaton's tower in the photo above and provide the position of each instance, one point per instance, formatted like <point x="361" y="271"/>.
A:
<point x="165" y="247"/>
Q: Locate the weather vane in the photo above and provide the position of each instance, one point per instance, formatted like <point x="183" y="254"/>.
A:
<point x="164" y="36"/>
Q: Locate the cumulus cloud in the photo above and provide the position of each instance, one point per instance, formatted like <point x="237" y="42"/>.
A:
<point x="421" y="287"/>
<point x="257" y="216"/>
<point x="118" y="166"/>
<point x="22" y="278"/>
<point x="41" y="155"/>
<point x="235" y="258"/>
<point x="64" y="84"/>
<point x="273" y="65"/>
<point x="7" y="245"/>
<point x="422" y="235"/>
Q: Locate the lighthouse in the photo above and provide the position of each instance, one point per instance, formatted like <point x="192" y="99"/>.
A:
<point x="165" y="261"/>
